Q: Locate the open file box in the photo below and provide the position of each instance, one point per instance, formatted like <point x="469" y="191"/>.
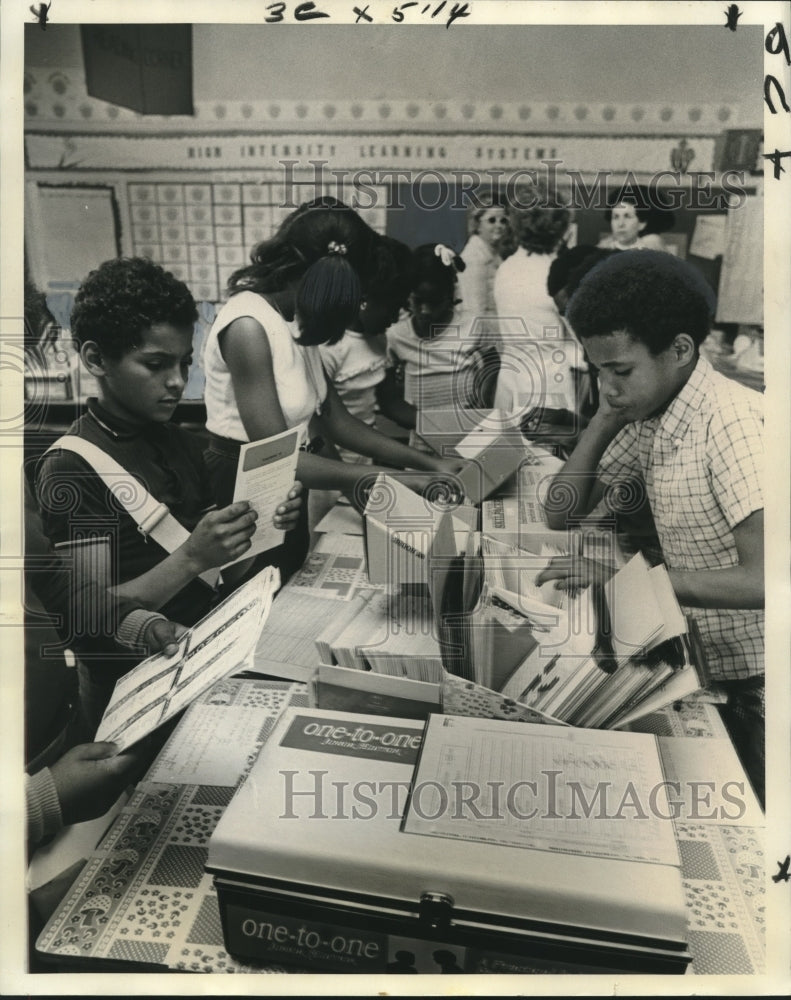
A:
<point x="330" y="884"/>
<point x="398" y="531"/>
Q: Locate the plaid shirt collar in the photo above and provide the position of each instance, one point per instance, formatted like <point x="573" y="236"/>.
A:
<point x="674" y="423"/>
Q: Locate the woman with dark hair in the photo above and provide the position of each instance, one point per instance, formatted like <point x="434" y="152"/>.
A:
<point x="636" y="218"/>
<point x="264" y="374"/>
<point x="537" y="355"/>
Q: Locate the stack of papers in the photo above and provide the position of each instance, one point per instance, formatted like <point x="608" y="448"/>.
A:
<point x="390" y="633"/>
<point x="609" y="657"/>
<point x="552" y="768"/>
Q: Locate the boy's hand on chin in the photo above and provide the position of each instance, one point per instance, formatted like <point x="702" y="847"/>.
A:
<point x="608" y="418"/>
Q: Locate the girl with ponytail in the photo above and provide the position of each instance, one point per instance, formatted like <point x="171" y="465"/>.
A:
<point x="303" y="288"/>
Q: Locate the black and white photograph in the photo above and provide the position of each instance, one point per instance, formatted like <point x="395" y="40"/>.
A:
<point x="395" y="569"/>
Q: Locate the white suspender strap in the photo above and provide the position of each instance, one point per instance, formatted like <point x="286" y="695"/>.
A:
<point x="153" y="518"/>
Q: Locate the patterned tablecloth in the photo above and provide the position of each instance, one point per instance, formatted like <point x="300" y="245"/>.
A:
<point x="143" y="896"/>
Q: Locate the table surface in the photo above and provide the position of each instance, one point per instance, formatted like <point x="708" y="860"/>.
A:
<point x="144" y="901"/>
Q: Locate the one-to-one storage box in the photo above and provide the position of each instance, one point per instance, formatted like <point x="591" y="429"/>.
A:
<point x="313" y="870"/>
<point x="399" y="528"/>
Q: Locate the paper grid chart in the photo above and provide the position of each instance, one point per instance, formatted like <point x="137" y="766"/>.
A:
<point x="202" y="233"/>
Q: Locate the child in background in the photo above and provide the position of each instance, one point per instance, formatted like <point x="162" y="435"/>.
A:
<point x="356" y="364"/>
<point x="263" y="368"/>
<point x="133" y="323"/>
<point x="694" y="438"/>
<point x="437" y="346"/>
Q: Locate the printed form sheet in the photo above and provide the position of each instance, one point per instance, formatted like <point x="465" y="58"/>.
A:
<point x="162" y="686"/>
<point x="264" y="476"/>
<point x="592" y="793"/>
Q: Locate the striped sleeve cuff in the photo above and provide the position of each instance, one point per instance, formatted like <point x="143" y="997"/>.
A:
<point x="132" y="629"/>
<point x="43" y="806"/>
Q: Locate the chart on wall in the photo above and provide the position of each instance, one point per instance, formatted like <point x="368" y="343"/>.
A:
<point x="202" y="233"/>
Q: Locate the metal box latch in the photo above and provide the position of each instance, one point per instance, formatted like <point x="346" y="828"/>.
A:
<point x="436" y="910"/>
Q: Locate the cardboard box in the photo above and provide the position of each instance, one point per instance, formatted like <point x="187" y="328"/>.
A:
<point x="490" y="440"/>
<point x="399" y="527"/>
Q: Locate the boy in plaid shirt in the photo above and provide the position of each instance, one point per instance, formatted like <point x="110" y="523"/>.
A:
<point x="693" y="439"/>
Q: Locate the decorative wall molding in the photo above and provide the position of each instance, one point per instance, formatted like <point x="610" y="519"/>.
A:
<point x="282" y="155"/>
<point x="57" y="100"/>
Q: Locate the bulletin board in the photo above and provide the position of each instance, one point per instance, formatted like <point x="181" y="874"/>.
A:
<point x="82" y="230"/>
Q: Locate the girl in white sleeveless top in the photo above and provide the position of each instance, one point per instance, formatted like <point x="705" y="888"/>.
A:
<point x="263" y="368"/>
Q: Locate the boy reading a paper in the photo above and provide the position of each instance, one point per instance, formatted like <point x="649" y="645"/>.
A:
<point x="133" y="323"/>
<point x="693" y="439"/>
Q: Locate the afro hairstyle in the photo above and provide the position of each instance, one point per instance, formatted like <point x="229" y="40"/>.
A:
<point x="651" y="295"/>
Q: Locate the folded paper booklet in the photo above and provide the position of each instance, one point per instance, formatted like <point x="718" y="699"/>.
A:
<point x="264" y="476"/>
<point x="161" y="686"/>
<point x="399" y="527"/>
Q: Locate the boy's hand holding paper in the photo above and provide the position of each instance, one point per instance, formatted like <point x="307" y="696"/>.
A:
<point x="264" y="477"/>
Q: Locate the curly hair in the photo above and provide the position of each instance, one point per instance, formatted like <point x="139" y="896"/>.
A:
<point x="124" y="297"/>
<point x="540" y="229"/>
<point x="650" y="294"/>
<point x="327" y="249"/>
